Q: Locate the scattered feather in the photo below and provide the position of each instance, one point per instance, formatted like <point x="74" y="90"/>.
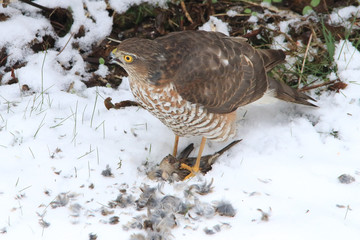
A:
<point x="107" y="172"/>
<point x="346" y="179"/>
<point x="225" y="209"/>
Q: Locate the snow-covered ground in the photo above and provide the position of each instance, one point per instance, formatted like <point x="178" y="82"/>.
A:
<point x="282" y="179"/>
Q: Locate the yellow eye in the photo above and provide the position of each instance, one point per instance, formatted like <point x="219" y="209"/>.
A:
<point x="128" y="58"/>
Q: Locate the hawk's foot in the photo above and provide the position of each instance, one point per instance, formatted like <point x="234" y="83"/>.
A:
<point x="193" y="170"/>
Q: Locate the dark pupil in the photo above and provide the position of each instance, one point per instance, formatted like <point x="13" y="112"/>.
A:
<point x="127" y="58"/>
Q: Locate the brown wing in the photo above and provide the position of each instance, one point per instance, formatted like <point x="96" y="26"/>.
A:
<point x="219" y="72"/>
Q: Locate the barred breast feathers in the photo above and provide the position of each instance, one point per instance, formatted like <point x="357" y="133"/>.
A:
<point x="183" y="117"/>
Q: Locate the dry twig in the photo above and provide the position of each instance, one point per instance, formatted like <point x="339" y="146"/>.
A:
<point x="317" y="85"/>
<point x="303" y="63"/>
<point x="187" y="15"/>
<point x="66" y="44"/>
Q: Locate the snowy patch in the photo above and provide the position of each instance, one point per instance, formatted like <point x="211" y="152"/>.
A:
<point x="338" y="16"/>
<point x="123" y="5"/>
<point x="253" y="19"/>
<point x="215" y="25"/>
<point x="231" y="13"/>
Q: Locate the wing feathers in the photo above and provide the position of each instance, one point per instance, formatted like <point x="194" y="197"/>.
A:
<point x="221" y="73"/>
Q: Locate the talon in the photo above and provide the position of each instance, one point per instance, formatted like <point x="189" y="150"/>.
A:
<point x="193" y="170"/>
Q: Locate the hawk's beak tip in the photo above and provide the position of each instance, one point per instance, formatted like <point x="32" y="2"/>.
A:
<point x="113" y="59"/>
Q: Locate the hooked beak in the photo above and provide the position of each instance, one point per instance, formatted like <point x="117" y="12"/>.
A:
<point x="113" y="59"/>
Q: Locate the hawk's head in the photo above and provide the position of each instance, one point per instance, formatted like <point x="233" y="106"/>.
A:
<point x="142" y="59"/>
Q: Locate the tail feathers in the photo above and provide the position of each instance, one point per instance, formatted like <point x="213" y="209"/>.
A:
<point x="288" y="94"/>
<point x="280" y="90"/>
<point x="271" y="57"/>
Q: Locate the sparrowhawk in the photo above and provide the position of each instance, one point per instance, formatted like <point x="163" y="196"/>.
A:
<point x="193" y="81"/>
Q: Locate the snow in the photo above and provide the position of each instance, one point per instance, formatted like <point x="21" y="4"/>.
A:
<point x="123" y="5"/>
<point x="253" y="19"/>
<point x="23" y="30"/>
<point x="347" y="57"/>
<point x="340" y="15"/>
<point x="55" y="142"/>
<point x="232" y="13"/>
<point x="216" y="25"/>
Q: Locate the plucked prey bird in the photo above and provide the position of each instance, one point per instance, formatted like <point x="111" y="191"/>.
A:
<point x="193" y="81"/>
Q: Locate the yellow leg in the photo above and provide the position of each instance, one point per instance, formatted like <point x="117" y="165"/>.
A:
<point x="195" y="169"/>
<point x="176" y="145"/>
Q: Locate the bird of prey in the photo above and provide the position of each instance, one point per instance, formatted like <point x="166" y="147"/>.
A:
<point x="193" y="81"/>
